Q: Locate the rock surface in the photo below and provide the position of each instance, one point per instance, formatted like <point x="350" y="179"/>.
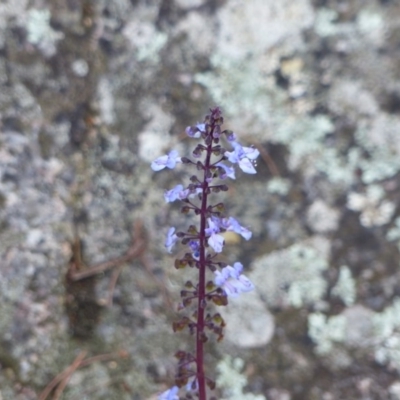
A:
<point x="93" y="91"/>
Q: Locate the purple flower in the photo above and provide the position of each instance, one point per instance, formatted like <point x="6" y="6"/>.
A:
<point x="173" y="194"/>
<point x="170" y="394"/>
<point x="195" y="246"/>
<point x="231" y="280"/>
<point x="178" y="193"/>
<point x="192" y="385"/>
<point x="195" y="131"/>
<point x="168" y="161"/>
<point x="213" y="225"/>
<point x="216" y="242"/>
<point x="244" y="156"/>
<point x="228" y="171"/>
<point x="231" y="136"/>
<point x="171" y="239"/>
<point x="231" y="224"/>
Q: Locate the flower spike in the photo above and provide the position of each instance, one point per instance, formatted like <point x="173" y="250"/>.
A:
<point x="212" y="163"/>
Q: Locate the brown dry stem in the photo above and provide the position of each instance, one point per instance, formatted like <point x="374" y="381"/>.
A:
<point x="59" y="383"/>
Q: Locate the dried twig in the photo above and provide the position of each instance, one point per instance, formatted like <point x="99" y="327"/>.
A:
<point x="70" y="370"/>
<point x="136" y="248"/>
<point x="113" y="281"/>
<point x="61" y="380"/>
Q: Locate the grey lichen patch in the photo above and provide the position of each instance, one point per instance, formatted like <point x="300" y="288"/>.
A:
<point x="145" y="39"/>
<point x="154" y="139"/>
<point x="341" y="99"/>
<point x="325" y="331"/>
<point x="231" y="86"/>
<point x="259" y="24"/>
<point x="325" y="24"/>
<point x="193" y="26"/>
<point x="106" y="100"/>
<point x="386" y="326"/>
<point x="293" y="276"/>
<point x="357" y="328"/>
<point x="322" y="218"/>
<point x="374" y="209"/>
<point x="40" y="33"/>
<point x="345" y="287"/>
<point x="10" y="12"/>
<point x="378" y="138"/>
<point x="232" y="381"/>
<point x="278" y="185"/>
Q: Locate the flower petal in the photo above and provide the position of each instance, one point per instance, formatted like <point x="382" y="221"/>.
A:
<point x="231" y="136"/>
<point x="173" y="159"/>
<point x="251" y="152"/>
<point x="213" y="226"/>
<point x="246" y="166"/>
<point x="192" y="385"/>
<point x="238" y="267"/>
<point x="171" y="239"/>
<point x="233" y="225"/>
<point x="245" y="284"/>
<point x="216" y="242"/>
<point x="168" y="161"/>
<point x="170" y="394"/>
<point x="231" y="280"/>
<point x="159" y="164"/>
<point x="173" y="194"/>
<point x="228" y="171"/>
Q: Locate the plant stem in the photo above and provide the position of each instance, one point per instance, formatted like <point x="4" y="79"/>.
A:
<point x="202" y="280"/>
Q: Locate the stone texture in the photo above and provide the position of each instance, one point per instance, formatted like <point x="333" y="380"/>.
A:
<point x="92" y="91"/>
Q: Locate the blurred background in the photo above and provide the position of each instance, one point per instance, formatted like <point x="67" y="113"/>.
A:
<point x="92" y="91"/>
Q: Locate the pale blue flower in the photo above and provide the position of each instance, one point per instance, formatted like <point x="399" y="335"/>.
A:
<point x="178" y="193"/>
<point x="168" y="161"/>
<point x="201" y="127"/>
<point x="231" y="224"/>
<point x="243" y="156"/>
<point x="231" y="280"/>
<point x="192" y="385"/>
<point x="171" y="239"/>
<point x="173" y="194"/>
<point x="213" y="225"/>
<point x="216" y="242"/>
<point x="231" y="136"/>
<point x="195" y="131"/>
<point x="170" y="394"/>
<point x="228" y="171"/>
<point x="195" y="247"/>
